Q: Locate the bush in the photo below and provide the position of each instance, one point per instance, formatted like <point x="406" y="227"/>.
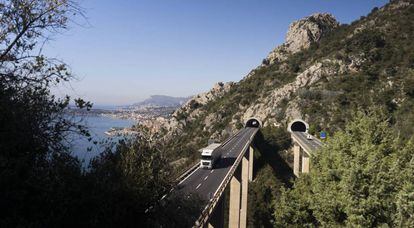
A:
<point x="356" y="179"/>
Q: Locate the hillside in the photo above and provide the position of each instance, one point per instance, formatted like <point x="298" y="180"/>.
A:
<point x="321" y="73"/>
<point x="159" y="101"/>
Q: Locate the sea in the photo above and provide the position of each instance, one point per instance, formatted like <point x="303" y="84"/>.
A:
<point x="84" y="149"/>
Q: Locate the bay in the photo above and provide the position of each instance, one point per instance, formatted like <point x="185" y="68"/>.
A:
<point x="97" y="126"/>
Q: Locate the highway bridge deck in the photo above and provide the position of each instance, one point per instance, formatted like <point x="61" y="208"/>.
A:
<point x="205" y="182"/>
<point x="309" y="145"/>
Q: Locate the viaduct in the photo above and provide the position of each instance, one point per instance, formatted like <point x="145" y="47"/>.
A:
<point x="235" y="171"/>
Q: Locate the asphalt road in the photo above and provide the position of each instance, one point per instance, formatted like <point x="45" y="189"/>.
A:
<point x="205" y="182"/>
<point x="310" y="144"/>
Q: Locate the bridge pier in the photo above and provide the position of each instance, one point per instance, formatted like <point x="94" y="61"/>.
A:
<point x="237" y="178"/>
<point x="234" y="209"/>
<point x="305" y="163"/>
<point x="251" y="161"/>
<point x="296" y="159"/>
<point x="245" y="185"/>
<point x="239" y="190"/>
<point x="301" y="160"/>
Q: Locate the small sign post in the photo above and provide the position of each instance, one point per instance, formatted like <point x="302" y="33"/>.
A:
<point x="322" y="135"/>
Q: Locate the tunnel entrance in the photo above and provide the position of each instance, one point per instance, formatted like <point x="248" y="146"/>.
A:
<point x="253" y="122"/>
<point x="298" y="125"/>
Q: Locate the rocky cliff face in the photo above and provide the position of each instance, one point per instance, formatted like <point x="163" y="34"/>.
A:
<point x="265" y="108"/>
<point x="302" y="34"/>
<point x="294" y="73"/>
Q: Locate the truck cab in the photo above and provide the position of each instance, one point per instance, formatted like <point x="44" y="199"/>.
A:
<point x="206" y="162"/>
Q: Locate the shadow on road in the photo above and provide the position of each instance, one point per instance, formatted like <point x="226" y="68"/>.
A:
<point x="224" y="163"/>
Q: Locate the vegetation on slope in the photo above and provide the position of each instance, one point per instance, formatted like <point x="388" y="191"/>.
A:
<point x="385" y="78"/>
<point x="271" y="173"/>
<point x="363" y="177"/>
<point x="382" y="42"/>
<point x="41" y="184"/>
<point x="378" y="47"/>
<point x="381" y="51"/>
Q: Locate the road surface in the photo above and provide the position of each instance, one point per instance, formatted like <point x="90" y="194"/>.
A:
<point x="205" y="182"/>
<point x="308" y="144"/>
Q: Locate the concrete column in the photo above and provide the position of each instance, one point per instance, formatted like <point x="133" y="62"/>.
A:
<point x="305" y="163"/>
<point x="251" y="161"/>
<point x="216" y="219"/>
<point x="244" y="190"/>
<point x="234" y="209"/>
<point x="296" y="159"/>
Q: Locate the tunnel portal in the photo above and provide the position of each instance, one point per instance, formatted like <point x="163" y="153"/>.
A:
<point x="298" y="125"/>
<point x="253" y="122"/>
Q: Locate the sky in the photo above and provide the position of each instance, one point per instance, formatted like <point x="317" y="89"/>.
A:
<point x="127" y="50"/>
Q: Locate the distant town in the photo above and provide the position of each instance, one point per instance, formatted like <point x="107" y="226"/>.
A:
<point x="149" y="109"/>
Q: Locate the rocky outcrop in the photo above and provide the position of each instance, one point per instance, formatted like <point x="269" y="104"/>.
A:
<point x="218" y="90"/>
<point x="264" y="108"/>
<point x="302" y="34"/>
<point x="397" y="4"/>
<point x="188" y="112"/>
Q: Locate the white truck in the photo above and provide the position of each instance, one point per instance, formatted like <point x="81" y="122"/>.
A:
<point x="210" y="155"/>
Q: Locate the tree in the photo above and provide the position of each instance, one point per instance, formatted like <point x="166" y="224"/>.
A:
<point x="41" y="184"/>
<point x="131" y="187"/>
<point x="362" y="177"/>
<point x="37" y="174"/>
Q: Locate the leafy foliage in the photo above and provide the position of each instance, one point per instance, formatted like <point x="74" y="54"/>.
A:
<point x="272" y="173"/>
<point x="41" y="184"/>
<point x="362" y="177"/>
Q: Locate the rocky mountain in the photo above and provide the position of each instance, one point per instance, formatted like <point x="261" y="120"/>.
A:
<point x="160" y="101"/>
<point x="321" y="73"/>
<point x="188" y="112"/>
<point x="302" y="34"/>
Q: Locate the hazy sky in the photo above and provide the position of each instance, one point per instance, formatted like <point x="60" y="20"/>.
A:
<point x="136" y="48"/>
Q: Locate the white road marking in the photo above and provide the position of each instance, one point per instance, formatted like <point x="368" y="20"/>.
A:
<point x="189" y="175"/>
<point x="212" y="171"/>
<point x="198" y="186"/>
<point x="205" y="178"/>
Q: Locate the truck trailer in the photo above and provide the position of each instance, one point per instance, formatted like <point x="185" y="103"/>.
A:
<point x="210" y="155"/>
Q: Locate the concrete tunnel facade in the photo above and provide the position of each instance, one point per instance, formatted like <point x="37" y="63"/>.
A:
<point x="253" y="122"/>
<point x="298" y="125"/>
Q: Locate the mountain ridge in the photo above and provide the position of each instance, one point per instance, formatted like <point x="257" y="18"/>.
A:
<point x="160" y="101"/>
<point x="347" y="67"/>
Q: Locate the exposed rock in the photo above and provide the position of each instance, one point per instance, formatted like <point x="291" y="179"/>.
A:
<point x="397" y="4"/>
<point x="308" y="30"/>
<point x="188" y="112"/>
<point x="293" y="111"/>
<point x="218" y="90"/>
<point x="302" y="34"/>
<point x="265" y="108"/>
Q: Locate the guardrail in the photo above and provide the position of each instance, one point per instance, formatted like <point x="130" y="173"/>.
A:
<point x="303" y="143"/>
<point x="190" y="170"/>
<point x="202" y="220"/>
<point x="186" y="173"/>
<point x="231" y="137"/>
